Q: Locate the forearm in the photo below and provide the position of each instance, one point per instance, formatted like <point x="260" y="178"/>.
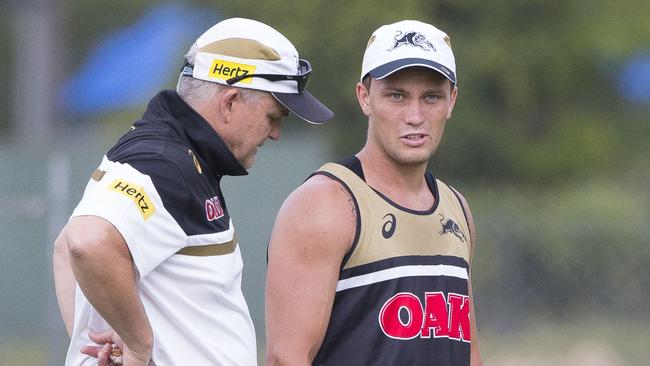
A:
<point x="293" y="336"/>
<point x="103" y="268"/>
<point x="113" y="293"/>
<point x="64" y="281"/>
<point x="476" y="359"/>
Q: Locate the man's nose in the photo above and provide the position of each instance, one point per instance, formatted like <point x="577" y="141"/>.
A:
<point x="275" y="131"/>
<point x="413" y="113"/>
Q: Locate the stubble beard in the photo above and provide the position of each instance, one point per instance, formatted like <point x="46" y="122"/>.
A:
<point x="407" y="156"/>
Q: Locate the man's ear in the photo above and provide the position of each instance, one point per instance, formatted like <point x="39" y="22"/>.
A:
<point x="226" y="102"/>
<point x="364" y="98"/>
<point x="453" y="96"/>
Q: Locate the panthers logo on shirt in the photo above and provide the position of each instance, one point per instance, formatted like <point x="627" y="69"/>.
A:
<point x="450" y="226"/>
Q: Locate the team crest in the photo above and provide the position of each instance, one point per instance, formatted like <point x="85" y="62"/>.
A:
<point x="450" y="227"/>
<point x="415" y="39"/>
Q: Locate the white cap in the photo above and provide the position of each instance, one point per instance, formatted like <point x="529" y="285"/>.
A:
<point x="408" y="43"/>
<point x="239" y="47"/>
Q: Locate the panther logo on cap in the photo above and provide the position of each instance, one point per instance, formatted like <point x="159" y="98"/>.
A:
<point x="415" y="39"/>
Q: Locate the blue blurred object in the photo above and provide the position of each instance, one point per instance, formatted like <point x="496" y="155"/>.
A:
<point x="130" y="65"/>
<point x="634" y="79"/>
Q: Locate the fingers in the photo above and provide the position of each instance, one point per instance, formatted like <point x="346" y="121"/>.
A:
<point x="91" y="350"/>
<point x="101" y="337"/>
<point x="103" y="354"/>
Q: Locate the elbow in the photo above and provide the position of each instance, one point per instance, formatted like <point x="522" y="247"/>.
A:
<point x="274" y="358"/>
<point x="78" y="248"/>
<point x="60" y="247"/>
<point x="82" y="245"/>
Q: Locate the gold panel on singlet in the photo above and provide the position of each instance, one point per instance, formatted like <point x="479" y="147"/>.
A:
<point x="387" y="230"/>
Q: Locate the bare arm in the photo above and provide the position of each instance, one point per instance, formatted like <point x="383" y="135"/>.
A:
<point x="313" y="231"/>
<point x="64" y="282"/>
<point x="103" y="267"/>
<point x="475" y="359"/>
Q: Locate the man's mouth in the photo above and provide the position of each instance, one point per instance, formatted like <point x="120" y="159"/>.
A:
<point x="414" y="139"/>
<point x="414" y="136"/>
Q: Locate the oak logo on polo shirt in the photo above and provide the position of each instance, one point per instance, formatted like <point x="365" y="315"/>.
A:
<point x="224" y="70"/>
<point x="213" y="208"/>
<point x="136" y="194"/>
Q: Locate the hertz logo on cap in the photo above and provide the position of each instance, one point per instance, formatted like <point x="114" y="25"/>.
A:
<point x="136" y="194"/>
<point x="225" y="70"/>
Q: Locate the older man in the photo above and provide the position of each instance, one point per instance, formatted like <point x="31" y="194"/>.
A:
<point x="149" y="259"/>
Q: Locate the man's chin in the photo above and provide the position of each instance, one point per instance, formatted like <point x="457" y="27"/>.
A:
<point x="413" y="159"/>
<point x="248" y="162"/>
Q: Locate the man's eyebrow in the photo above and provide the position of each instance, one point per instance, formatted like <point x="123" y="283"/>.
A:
<point x="391" y="89"/>
<point x="279" y="113"/>
<point x="282" y="112"/>
<point x="435" y="90"/>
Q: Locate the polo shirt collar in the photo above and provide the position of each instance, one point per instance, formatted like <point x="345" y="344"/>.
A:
<point x="205" y="141"/>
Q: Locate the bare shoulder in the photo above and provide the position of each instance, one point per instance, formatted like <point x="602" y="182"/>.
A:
<point x="319" y="213"/>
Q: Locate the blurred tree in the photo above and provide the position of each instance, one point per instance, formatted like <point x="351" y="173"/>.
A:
<point x="537" y="103"/>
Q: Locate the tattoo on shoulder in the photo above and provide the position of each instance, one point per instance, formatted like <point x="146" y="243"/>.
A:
<point x="351" y="203"/>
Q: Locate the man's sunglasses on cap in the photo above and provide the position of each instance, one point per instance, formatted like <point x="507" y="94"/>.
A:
<point x="302" y="78"/>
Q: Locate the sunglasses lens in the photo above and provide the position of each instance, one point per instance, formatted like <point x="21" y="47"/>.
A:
<point x="304" y="71"/>
<point x="304" y="67"/>
<point x="303" y="82"/>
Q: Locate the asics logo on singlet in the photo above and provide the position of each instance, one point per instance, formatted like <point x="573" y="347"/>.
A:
<point x="388" y="229"/>
<point x="403" y="316"/>
<point x="450" y="226"/>
<point x="213" y="209"/>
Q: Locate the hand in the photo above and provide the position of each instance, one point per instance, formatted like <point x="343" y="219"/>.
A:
<point x="109" y="340"/>
<point x="102" y="351"/>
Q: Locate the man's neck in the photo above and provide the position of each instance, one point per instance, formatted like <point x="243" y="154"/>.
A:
<point x="404" y="184"/>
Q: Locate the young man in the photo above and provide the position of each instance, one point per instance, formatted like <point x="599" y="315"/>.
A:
<point x="149" y="259"/>
<point x="369" y="259"/>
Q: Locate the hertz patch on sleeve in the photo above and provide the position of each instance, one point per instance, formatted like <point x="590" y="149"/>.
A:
<point x="136" y="194"/>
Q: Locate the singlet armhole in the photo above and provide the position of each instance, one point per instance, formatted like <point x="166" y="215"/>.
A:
<point x="357" y="230"/>
<point x="462" y="206"/>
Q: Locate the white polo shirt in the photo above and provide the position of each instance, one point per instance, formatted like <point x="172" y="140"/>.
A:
<point x="159" y="186"/>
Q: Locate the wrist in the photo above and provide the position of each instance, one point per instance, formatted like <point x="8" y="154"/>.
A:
<point x="142" y="343"/>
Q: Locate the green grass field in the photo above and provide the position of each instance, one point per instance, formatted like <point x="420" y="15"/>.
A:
<point x="591" y="342"/>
